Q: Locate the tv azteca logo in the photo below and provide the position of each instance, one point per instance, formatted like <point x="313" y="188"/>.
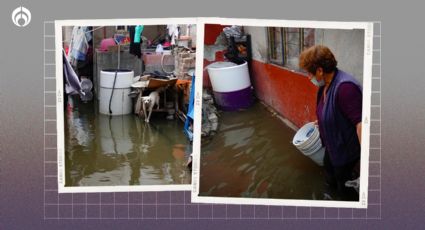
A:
<point x="21" y="16"/>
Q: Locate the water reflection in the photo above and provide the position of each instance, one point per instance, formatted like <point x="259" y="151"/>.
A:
<point x="123" y="150"/>
<point x="252" y="156"/>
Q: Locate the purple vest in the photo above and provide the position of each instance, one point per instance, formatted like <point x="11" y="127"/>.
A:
<point x="340" y="136"/>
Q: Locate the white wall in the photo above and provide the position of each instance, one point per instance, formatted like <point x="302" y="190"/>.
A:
<point x="259" y="42"/>
<point x="348" y="47"/>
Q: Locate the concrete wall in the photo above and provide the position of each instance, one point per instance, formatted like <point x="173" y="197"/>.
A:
<point x="258" y="42"/>
<point x="348" y="47"/>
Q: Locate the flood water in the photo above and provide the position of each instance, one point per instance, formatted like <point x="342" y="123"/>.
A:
<point x="252" y="156"/>
<point x="123" y="150"/>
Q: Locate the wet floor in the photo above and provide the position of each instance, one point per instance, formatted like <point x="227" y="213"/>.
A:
<point x="252" y="156"/>
<point x="123" y="150"/>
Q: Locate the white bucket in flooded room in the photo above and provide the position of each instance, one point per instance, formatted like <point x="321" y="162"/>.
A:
<point x="120" y="103"/>
<point x="307" y="140"/>
<point x="231" y="85"/>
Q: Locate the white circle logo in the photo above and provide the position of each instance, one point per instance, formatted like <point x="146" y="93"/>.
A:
<point x="21" y="16"/>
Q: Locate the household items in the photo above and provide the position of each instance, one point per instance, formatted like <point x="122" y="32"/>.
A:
<point x="158" y="62"/>
<point x="106" y="43"/>
<point x="114" y="89"/>
<point x="86" y="87"/>
<point x="239" y="49"/>
<point x="233" y="31"/>
<point x="231" y="85"/>
<point x="109" y="60"/>
<point x="307" y="140"/>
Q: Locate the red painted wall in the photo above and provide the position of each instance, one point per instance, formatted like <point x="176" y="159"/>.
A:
<point x="211" y="33"/>
<point x="292" y="95"/>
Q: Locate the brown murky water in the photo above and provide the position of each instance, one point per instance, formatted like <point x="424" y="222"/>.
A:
<point x="252" y="156"/>
<point x="123" y="150"/>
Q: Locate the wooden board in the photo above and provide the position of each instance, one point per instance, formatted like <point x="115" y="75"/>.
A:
<point x="156" y="83"/>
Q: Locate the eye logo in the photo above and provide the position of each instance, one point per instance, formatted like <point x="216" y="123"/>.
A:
<point x="21" y="16"/>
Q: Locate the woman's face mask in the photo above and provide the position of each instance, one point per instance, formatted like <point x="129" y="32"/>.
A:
<point x="313" y="78"/>
<point x="316" y="82"/>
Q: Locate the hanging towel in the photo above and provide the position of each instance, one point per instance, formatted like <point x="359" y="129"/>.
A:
<point x="138" y="33"/>
<point x="134" y="47"/>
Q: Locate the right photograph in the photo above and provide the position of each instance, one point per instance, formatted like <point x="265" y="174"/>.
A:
<point x="282" y="115"/>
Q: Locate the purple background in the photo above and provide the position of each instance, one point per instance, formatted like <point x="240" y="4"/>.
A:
<point x="22" y="124"/>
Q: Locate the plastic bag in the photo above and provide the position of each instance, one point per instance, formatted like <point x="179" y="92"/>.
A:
<point x="159" y="49"/>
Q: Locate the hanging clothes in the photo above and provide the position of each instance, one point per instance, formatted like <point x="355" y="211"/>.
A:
<point x="138" y="33"/>
<point x="72" y="83"/>
<point x="173" y="31"/>
<point x="79" y="44"/>
<point x="134" y="46"/>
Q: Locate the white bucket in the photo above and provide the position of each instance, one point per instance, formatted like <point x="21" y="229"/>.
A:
<point x="228" y="76"/>
<point x="121" y="103"/>
<point x="306" y="135"/>
<point x="307" y="140"/>
<point x="318" y="156"/>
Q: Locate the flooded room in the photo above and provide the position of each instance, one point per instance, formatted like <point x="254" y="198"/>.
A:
<point x="127" y="117"/>
<point x="275" y="102"/>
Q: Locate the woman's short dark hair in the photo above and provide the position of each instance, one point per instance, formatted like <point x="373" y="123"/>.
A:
<point x="317" y="56"/>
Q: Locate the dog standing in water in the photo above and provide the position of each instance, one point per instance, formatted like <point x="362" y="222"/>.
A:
<point x="150" y="101"/>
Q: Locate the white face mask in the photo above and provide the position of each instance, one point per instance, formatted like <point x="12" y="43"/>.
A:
<point x="317" y="83"/>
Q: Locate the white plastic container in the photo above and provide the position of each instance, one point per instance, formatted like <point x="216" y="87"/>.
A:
<point x="318" y="156"/>
<point x="121" y="103"/>
<point x="307" y="140"/>
<point x="228" y="77"/>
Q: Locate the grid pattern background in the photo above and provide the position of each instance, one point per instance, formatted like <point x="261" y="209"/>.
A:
<point x="177" y="205"/>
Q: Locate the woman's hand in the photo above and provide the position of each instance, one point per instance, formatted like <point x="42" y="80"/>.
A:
<point x="359" y="131"/>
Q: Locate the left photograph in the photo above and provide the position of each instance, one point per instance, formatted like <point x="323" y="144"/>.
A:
<point x="125" y="104"/>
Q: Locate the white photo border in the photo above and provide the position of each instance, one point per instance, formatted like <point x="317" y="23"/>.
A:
<point x="60" y="96"/>
<point x="366" y="114"/>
